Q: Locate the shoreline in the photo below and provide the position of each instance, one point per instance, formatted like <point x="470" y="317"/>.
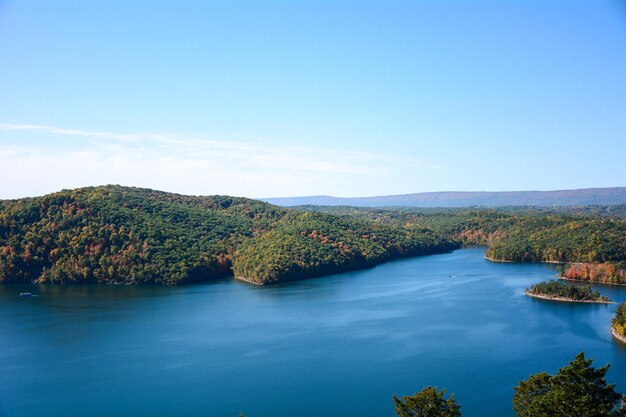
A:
<point x="618" y="336"/>
<point x="350" y="267"/>
<point x="566" y="300"/>
<point x="499" y="260"/>
<point x="588" y="281"/>
<point x="247" y="280"/>
<point x="523" y="262"/>
<point x="558" y="276"/>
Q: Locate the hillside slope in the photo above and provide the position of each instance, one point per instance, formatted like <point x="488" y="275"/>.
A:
<point x="114" y="234"/>
<point x="590" y="241"/>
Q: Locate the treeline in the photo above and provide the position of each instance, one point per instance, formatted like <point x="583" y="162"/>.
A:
<point x="123" y="235"/>
<point x="114" y="234"/>
<point x="607" y="273"/>
<point x="556" y="289"/>
<point x="592" y="235"/>
<point x="619" y="321"/>
<point x="562" y="240"/>
<point x="308" y="244"/>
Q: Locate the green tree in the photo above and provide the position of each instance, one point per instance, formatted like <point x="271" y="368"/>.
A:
<point x="619" y="321"/>
<point x="427" y="403"/>
<point x="577" y="390"/>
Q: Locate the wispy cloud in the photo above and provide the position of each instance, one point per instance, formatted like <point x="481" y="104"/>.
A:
<point x="190" y="164"/>
<point x="122" y="137"/>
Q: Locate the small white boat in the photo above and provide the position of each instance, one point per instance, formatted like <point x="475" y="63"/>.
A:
<point x="25" y="294"/>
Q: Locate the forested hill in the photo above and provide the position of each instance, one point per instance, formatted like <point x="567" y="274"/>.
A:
<point x="581" y="197"/>
<point x="592" y="239"/>
<point x="114" y="234"/>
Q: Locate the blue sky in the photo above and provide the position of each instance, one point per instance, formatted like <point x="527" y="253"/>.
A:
<point x="284" y="98"/>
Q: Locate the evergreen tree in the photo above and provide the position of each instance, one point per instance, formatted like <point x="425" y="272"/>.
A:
<point x="427" y="403"/>
<point x="577" y="390"/>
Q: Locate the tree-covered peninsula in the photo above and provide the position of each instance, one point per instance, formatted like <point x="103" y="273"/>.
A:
<point x="114" y="234"/>
<point x="560" y="291"/>
<point x="618" y="324"/>
<point x="590" y="241"/>
<point x="603" y="273"/>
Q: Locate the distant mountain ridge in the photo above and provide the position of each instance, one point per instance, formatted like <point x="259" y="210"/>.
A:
<point x="579" y="197"/>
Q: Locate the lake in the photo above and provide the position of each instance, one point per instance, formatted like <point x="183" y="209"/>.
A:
<point x="334" y="346"/>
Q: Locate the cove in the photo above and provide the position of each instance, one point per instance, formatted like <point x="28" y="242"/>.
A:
<point x="334" y="346"/>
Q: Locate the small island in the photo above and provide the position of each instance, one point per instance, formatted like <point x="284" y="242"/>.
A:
<point x="618" y="324"/>
<point x="559" y="291"/>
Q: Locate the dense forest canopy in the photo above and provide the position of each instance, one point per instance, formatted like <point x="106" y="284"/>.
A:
<point x="556" y="289"/>
<point x="605" y="273"/>
<point x="592" y="239"/>
<point x="115" y="234"/>
<point x="619" y="321"/>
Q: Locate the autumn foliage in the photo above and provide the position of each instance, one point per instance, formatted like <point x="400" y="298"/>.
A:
<point x="605" y="273"/>
<point x="124" y="235"/>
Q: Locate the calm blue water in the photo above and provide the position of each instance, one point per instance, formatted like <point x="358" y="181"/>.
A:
<point x="333" y="346"/>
